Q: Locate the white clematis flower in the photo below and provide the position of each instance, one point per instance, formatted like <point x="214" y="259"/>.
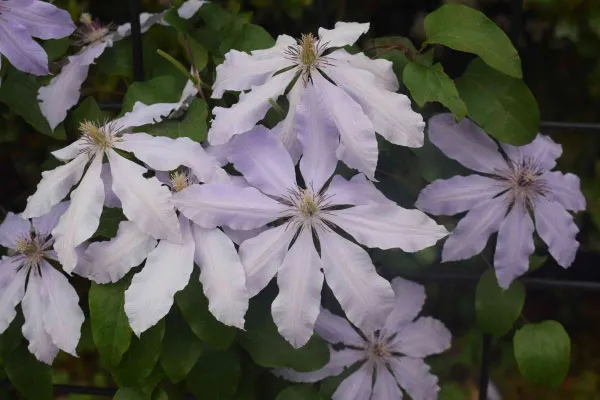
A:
<point x="392" y="352"/>
<point x="50" y="305"/>
<point x="361" y="102"/>
<point x="144" y="201"/>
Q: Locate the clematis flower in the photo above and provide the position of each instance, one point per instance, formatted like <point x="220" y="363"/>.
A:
<point x="144" y="201"/>
<point x="50" y="305"/>
<point x="63" y="91"/>
<point x="515" y="182"/>
<point x="311" y="209"/>
<point x="361" y="102"/>
<point x="20" y="22"/>
<point x="392" y="352"/>
<point x="169" y="265"/>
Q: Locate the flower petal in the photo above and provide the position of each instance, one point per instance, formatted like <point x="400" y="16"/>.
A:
<point x="62" y="315"/>
<point x="22" y="51"/>
<point x="285" y="130"/>
<point x="42" y="20"/>
<point x="82" y="218"/>
<point x="557" y="229"/>
<point x="457" y="194"/>
<point x="466" y="143"/>
<point x="167" y="271"/>
<point x="424" y="337"/>
<point x="344" y="33"/>
<point x="143" y="114"/>
<point x="251" y="108"/>
<point x="386" y="387"/>
<point x="409" y="299"/>
<point x="189" y="8"/>
<point x="297" y="306"/>
<point x="388" y="226"/>
<point x="238" y="236"/>
<point x="54" y="186"/>
<point x="473" y="231"/>
<point x="365" y="297"/>
<point x="566" y="189"/>
<point x="357" y="191"/>
<point x="12" y="285"/>
<point x="145" y="201"/>
<point x="215" y="204"/>
<point x="358" y="147"/>
<point x="357" y="386"/>
<point x="543" y="151"/>
<point x="514" y="245"/>
<point x="414" y="377"/>
<point x="319" y="138"/>
<point x="33" y="304"/>
<point x="263" y="161"/>
<point x="110" y="260"/>
<point x="46" y="223"/>
<point x="222" y="275"/>
<point x="71" y="151"/>
<point x="391" y="113"/>
<point x="338" y="361"/>
<point x="335" y="329"/>
<point x="262" y="256"/>
<point x="63" y="91"/>
<point x="380" y="68"/>
<point x="12" y="228"/>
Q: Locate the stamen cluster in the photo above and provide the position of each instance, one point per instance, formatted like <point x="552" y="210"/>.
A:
<point x="34" y="247"/>
<point x="307" y="55"/>
<point x="90" y="31"/>
<point x="524" y="180"/>
<point x="99" y="137"/>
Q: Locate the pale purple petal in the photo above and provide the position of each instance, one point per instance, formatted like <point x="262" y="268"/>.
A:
<point x="42" y="20"/>
<point x="46" y="223"/>
<point x="413" y="376"/>
<point x="357" y="191"/>
<point x="222" y="275"/>
<point x="238" y="236"/>
<point x="215" y="204"/>
<point x="365" y="297"/>
<point x="409" y="299"/>
<point x="71" y="151"/>
<point x="566" y="189"/>
<point x="167" y="271"/>
<point x="543" y="151"/>
<point x="466" y="143"/>
<point x="457" y="194"/>
<point x="358" y="147"/>
<point x="344" y="33"/>
<point x="388" y="226"/>
<point x="262" y="256"/>
<point x="557" y="229"/>
<point x="12" y="228"/>
<point x="251" y="108"/>
<point x="22" y="51"/>
<point x="335" y="329"/>
<point x="299" y="278"/>
<point x="380" y="68"/>
<point x="386" y="387"/>
<point x="514" y="245"/>
<point x="338" y="361"/>
<point x="472" y="232"/>
<point x="143" y="114"/>
<point x="12" y="279"/>
<point x="422" y="338"/>
<point x="285" y="130"/>
<point x="263" y="161"/>
<point x="357" y="386"/>
<point x="319" y="138"/>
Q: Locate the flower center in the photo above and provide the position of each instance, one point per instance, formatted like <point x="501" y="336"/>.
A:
<point x="90" y="31"/>
<point x="308" y="50"/>
<point x="33" y="247"/>
<point x="378" y="348"/>
<point x="308" y="203"/>
<point x="181" y="180"/>
<point x="524" y="179"/>
<point x="99" y="137"/>
<point x="307" y="55"/>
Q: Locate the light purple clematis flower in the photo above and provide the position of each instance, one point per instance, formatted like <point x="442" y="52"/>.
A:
<point x="361" y="102"/>
<point x="513" y="185"/>
<point x="50" y="305"/>
<point x="393" y="352"/>
<point x="315" y="208"/>
<point x="20" y="22"/>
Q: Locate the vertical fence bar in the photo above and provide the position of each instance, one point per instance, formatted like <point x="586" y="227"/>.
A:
<point x="516" y="21"/>
<point x="484" y="374"/>
<point x="136" y="40"/>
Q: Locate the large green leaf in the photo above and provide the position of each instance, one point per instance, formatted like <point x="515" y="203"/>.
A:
<point x="110" y="327"/>
<point x="192" y="126"/>
<point x="465" y="29"/>
<point x="30" y="377"/>
<point x="269" y="349"/>
<point x="163" y="89"/>
<point x="56" y="48"/>
<point x="503" y="106"/>
<point x="109" y="223"/>
<point x="19" y="92"/>
<point x="432" y="84"/>
<point x="299" y="392"/>
<point x="216" y="375"/>
<point x="497" y="309"/>
<point x="181" y="348"/>
<point x="543" y="352"/>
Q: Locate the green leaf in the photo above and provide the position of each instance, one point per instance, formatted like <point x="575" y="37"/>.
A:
<point x="87" y="110"/>
<point x="543" y="352"/>
<point x="141" y="357"/>
<point x="269" y="349"/>
<point x="109" y="223"/>
<point x="199" y="54"/>
<point x="465" y="29"/>
<point x="132" y="393"/>
<point x="497" y="309"/>
<point x="163" y="89"/>
<point x="432" y="84"/>
<point x="194" y="307"/>
<point x="11" y="338"/>
<point x="110" y="327"/>
<point x="19" y="92"/>
<point x="181" y="348"/>
<point x="56" y="48"/>
<point x="253" y="37"/>
<point x="216" y="375"/>
<point x="502" y="106"/>
<point x="30" y="377"/>
<point x="118" y="59"/>
<point x="193" y="125"/>
<point x="299" y="392"/>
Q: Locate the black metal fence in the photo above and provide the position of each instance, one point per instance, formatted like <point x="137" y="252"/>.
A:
<point x="516" y="28"/>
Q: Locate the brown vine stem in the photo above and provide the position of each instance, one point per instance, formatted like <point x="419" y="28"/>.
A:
<point x="407" y="51"/>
